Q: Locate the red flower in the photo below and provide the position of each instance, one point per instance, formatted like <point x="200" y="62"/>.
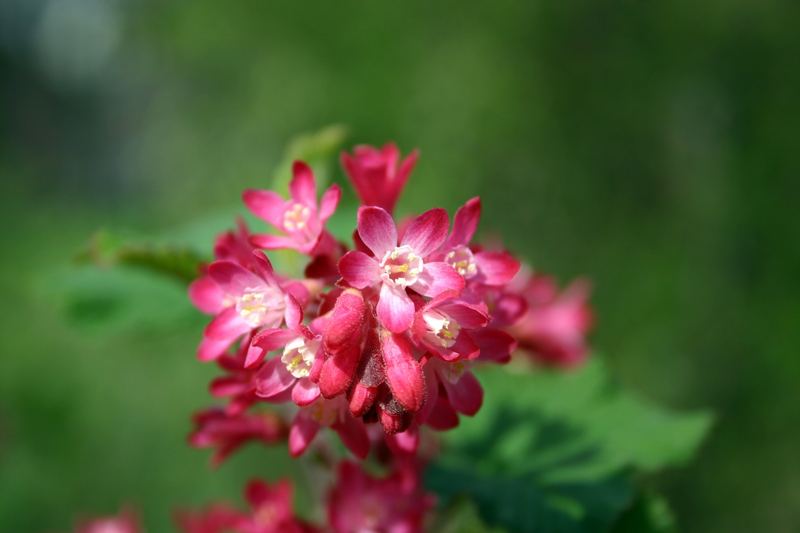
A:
<point x="396" y="266"/>
<point x="359" y="502"/>
<point x="377" y="175"/>
<point x="300" y="219"/>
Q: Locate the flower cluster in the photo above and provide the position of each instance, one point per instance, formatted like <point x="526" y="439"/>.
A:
<point x="375" y="340"/>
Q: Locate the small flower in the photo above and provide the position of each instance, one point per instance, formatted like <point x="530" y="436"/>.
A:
<point x="215" y="428"/>
<point x="554" y="327"/>
<point x="249" y="300"/>
<point x="300" y="219"/>
<point x="494" y="268"/>
<point x="398" y="266"/>
<point x="444" y="324"/>
<point x="359" y="502"/>
<point x="377" y="175"/>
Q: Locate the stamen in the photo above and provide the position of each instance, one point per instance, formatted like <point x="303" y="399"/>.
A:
<point x="401" y="266"/>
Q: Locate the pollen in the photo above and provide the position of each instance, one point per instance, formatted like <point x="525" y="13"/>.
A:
<point x="296" y="218"/>
<point x="259" y="306"/>
<point x="299" y="355"/>
<point x="442" y="329"/>
<point x="402" y="266"/>
<point x="463" y="261"/>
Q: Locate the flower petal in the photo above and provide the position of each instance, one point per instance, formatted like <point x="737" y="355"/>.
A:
<point x="443" y="416"/>
<point x="266" y="205"/>
<point x="495" y="345"/>
<point x="232" y="278"/>
<point x="206" y="295"/>
<point x="395" y="308"/>
<point x="227" y="325"/>
<point x="377" y="230"/>
<point x="436" y="278"/>
<point x="403" y="372"/>
<point x="359" y="270"/>
<point x="302" y="432"/>
<point x="465" y="223"/>
<point x="305" y="392"/>
<point x="496" y="268"/>
<point x="266" y="341"/>
<point x="466" y="395"/>
<point x="273" y="378"/>
<point x="427" y="232"/>
<point x="303" y="187"/>
<point x="329" y="201"/>
<point x="275" y="242"/>
<point x="467" y="315"/>
<point x="211" y="348"/>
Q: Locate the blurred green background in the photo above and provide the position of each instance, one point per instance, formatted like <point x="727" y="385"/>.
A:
<point x="648" y="145"/>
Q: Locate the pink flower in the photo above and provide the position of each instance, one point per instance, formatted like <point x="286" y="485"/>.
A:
<point x="443" y="326"/>
<point x="125" y="522"/>
<point x="248" y="300"/>
<point x="300" y="219"/>
<point x="215" y="428"/>
<point x="271" y="513"/>
<point x="398" y="266"/>
<point x="361" y="503"/>
<point x="554" y="327"/>
<point x="377" y="175"/>
<point x="494" y="268"/>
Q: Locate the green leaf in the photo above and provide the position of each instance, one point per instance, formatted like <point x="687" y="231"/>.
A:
<point x="107" y="250"/>
<point x="553" y="451"/>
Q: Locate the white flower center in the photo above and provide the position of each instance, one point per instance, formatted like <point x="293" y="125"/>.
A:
<point x="401" y="266"/>
<point x="442" y="330"/>
<point x="462" y="260"/>
<point x="296" y="218"/>
<point x="259" y="306"/>
<point x="298" y="356"/>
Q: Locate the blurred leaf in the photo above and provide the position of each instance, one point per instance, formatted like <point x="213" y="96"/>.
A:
<point x="550" y="451"/>
<point x="650" y="513"/>
<point x="317" y="150"/>
<point x="107" y="250"/>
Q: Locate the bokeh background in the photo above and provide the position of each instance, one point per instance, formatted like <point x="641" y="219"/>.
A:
<point x="648" y="145"/>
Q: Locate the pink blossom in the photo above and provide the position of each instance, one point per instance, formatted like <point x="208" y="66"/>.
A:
<point x="396" y="266"/>
<point x="443" y="326"/>
<point x="377" y="175"/>
<point x="494" y="268"/>
<point x="249" y="299"/>
<point x="300" y="219"/>
<point x="362" y="503"/>
<point x="125" y="522"/>
<point x="553" y="329"/>
<point x="215" y="428"/>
